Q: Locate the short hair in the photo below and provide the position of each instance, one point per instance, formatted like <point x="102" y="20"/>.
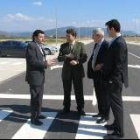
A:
<point x="72" y="32"/>
<point x="99" y="31"/>
<point x="36" y="33"/>
<point x="114" y="23"/>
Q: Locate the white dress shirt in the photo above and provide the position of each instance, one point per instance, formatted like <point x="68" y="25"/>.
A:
<point x="117" y="35"/>
<point x="95" y="53"/>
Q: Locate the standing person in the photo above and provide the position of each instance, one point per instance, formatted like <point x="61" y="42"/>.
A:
<point x="35" y="74"/>
<point x="95" y="65"/>
<point x="74" y="55"/>
<point x="116" y="74"/>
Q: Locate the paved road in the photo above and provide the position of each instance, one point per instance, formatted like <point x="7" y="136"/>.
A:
<point x="14" y="104"/>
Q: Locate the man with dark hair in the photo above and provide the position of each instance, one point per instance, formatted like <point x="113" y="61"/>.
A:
<point x="114" y="24"/>
<point x="72" y="32"/>
<point x="115" y="73"/>
<point x="35" y="74"/>
<point x="36" y="33"/>
<point x="74" y="55"/>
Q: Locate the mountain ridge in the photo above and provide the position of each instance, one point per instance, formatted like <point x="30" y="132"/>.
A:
<point x="82" y="32"/>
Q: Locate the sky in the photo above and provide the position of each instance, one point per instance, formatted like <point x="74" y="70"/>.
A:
<point x="28" y="15"/>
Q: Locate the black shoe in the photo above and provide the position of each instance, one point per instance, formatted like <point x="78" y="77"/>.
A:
<point x="42" y="117"/>
<point x="98" y="115"/>
<point x="102" y="120"/>
<point x="81" y="112"/>
<point x="114" y="135"/>
<point x="110" y="127"/>
<point x="65" y="111"/>
<point x="36" y="122"/>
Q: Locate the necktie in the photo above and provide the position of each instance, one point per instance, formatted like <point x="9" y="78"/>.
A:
<point x="41" y="50"/>
<point x="71" y="46"/>
<point x="43" y="53"/>
<point x="95" y="54"/>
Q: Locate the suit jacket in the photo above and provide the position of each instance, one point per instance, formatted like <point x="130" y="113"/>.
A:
<point x="116" y="67"/>
<point x="100" y="59"/>
<point x="35" y="74"/>
<point x="68" y="70"/>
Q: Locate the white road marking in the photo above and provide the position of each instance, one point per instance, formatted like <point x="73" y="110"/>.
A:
<point x="13" y="70"/>
<point x="56" y="67"/>
<point x="9" y="68"/>
<point x="136" y="122"/>
<point x="134" y="66"/>
<point x="18" y="63"/>
<point x="89" y="129"/>
<point x="29" y="131"/>
<point x="3" y="63"/>
<point x="134" y="55"/>
<point x="45" y="97"/>
<point x="12" y="59"/>
<point x="94" y="98"/>
<point x="4" y="114"/>
<point x="61" y="97"/>
<point x="131" y="98"/>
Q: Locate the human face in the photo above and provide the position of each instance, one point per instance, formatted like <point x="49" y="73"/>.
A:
<point x="97" y="38"/>
<point x="70" y="38"/>
<point x="111" y="32"/>
<point x="45" y="39"/>
<point x="40" y="38"/>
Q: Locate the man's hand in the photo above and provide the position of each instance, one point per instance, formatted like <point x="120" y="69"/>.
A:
<point x="50" y="62"/>
<point x="99" y="67"/>
<point x="74" y="63"/>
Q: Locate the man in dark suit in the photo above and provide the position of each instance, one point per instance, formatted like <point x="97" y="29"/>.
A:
<point x="95" y="63"/>
<point x="74" y="55"/>
<point x="116" y="74"/>
<point x="35" y="74"/>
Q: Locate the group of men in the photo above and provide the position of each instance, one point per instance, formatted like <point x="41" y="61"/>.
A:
<point x="107" y="66"/>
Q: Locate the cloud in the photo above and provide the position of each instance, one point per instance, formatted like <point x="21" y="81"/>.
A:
<point x="16" y="17"/>
<point x="21" y="22"/>
<point x="37" y="3"/>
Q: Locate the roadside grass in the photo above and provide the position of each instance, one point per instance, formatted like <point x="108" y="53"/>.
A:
<point x="48" y="41"/>
<point x="52" y="41"/>
<point x="133" y="39"/>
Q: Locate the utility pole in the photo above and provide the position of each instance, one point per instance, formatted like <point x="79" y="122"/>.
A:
<point x="79" y="33"/>
<point x="56" y="18"/>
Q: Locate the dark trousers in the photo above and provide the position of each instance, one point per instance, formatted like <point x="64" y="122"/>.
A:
<point x="101" y="95"/>
<point x="78" y="88"/>
<point x="36" y="100"/>
<point x="116" y="102"/>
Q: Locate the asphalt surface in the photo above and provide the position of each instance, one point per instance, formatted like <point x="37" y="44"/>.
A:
<point x="66" y="126"/>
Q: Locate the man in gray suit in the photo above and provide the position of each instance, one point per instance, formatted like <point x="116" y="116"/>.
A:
<point x="35" y="74"/>
<point x="96" y="62"/>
